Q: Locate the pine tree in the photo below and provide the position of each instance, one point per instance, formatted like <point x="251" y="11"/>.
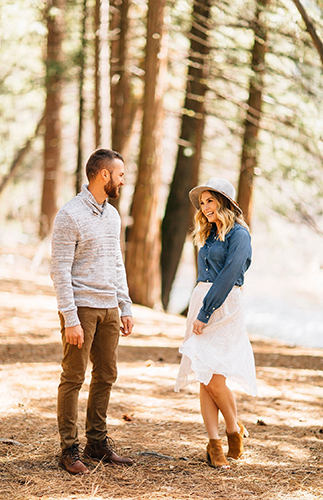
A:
<point x="53" y="125"/>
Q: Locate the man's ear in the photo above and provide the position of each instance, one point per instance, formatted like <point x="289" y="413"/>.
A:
<point x="105" y="174"/>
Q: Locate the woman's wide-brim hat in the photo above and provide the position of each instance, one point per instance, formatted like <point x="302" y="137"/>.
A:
<point x="221" y="186"/>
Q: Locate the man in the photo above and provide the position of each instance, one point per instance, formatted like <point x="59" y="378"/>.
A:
<point x="90" y="283"/>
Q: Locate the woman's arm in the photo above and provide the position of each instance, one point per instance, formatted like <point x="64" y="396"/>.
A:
<point x="237" y="260"/>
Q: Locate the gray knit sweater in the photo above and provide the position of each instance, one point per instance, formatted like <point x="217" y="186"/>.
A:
<point x="87" y="267"/>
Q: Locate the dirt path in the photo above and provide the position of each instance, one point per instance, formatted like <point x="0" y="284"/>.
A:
<point x="165" y="436"/>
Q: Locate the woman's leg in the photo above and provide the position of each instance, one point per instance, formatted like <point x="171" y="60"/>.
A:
<point x="225" y="401"/>
<point x="210" y="413"/>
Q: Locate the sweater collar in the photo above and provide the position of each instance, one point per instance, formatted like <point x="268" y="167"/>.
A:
<point x="89" y="198"/>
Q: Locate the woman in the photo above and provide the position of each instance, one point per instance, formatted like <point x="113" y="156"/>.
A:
<point x="216" y="346"/>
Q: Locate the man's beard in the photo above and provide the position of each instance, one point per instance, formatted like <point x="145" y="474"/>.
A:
<point x="111" y="189"/>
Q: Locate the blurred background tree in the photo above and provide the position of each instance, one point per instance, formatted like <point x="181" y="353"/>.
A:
<point x="53" y="59"/>
<point x="178" y="213"/>
<point x="81" y="59"/>
<point x="143" y="241"/>
<point x="239" y="95"/>
<point x="249" y="153"/>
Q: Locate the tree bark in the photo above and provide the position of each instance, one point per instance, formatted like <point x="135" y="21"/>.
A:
<point x="79" y="165"/>
<point x="122" y="102"/>
<point x="249" y="156"/>
<point x="179" y="212"/>
<point x="143" y="244"/>
<point x="121" y="99"/>
<point x="105" y="76"/>
<point x="102" y="111"/>
<point x="97" y="126"/>
<point x="52" y="140"/>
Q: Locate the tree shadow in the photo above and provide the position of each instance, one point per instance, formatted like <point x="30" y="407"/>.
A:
<point x="51" y="352"/>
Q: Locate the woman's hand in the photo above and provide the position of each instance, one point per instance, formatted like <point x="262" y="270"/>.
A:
<point x="198" y="326"/>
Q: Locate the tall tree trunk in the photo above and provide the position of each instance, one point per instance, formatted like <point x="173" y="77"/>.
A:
<point x="249" y="156"/>
<point x="102" y="111"/>
<point x="143" y="245"/>
<point x="121" y="98"/>
<point x="79" y="165"/>
<point x="96" y="27"/>
<point x="122" y="102"/>
<point x="178" y="212"/>
<point x="52" y="140"/>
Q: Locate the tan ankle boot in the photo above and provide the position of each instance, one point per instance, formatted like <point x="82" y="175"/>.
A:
<point x="214" y="454"/>
<point x="235" y="441"/>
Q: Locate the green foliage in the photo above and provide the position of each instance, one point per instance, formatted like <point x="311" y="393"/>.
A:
<point x="290" y="142"/>
<point x="291" y="139"/>
<point x="22" y="72"/>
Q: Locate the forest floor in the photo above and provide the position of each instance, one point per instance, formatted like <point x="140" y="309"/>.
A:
<point x="161" y="430"/>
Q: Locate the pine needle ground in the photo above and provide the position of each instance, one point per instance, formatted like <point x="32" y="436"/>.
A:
<point x="161" y="430"/>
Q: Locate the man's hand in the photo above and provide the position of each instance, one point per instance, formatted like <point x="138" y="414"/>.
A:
<point x="74" y="335"/>
<point x="198" y="326"/>
<point x="127" y="327"/>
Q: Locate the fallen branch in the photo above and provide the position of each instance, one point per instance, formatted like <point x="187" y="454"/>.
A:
<point x="20" y="155"/>
<point x="155" y="454"/>
<point x="10" y="441"/>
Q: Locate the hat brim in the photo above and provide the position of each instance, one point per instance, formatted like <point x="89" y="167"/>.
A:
<point x="196" y="192"/>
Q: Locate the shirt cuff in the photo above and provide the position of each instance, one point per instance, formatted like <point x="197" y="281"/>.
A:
<point x="203" y="316"/>
<point x="126" y="310"/>
<point x="71" y="318"/>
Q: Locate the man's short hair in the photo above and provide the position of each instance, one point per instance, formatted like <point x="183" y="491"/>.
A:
<point x="99" y="159"/>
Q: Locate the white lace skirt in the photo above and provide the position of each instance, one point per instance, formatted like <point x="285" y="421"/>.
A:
<point x="223" y="347"/>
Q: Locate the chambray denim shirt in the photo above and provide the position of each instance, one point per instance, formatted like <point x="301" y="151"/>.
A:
<point x="222" y="263"/>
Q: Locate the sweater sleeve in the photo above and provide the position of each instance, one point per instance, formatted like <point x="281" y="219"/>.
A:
<point x="64" y="242"/>
<point x="124" y="300"/>
<point x="237" y="261"/>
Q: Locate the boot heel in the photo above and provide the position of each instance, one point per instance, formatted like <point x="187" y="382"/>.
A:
<point x="215" y="456"/>
<point x="245" y="432"/>
<point x="235" y="442"/>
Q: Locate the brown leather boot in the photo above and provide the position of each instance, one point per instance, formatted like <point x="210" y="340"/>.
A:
<point x="215" y="456"/>
<point x="235" y="441"/>
<point x="70" y="460"/>
<point x="103" y="450"/>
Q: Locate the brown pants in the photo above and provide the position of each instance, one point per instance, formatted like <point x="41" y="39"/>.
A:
<point x="101" y="335"/>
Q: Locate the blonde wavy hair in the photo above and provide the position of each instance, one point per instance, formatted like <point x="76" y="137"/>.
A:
<point x="227" y="216"/>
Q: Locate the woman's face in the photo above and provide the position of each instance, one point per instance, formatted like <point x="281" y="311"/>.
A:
<point x="209" y="206"/>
